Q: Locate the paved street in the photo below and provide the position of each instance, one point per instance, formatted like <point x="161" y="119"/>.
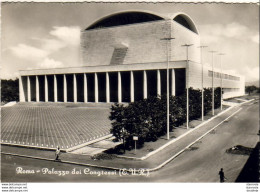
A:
<point x="200" y="163"/>
<point x="203" y="164"/>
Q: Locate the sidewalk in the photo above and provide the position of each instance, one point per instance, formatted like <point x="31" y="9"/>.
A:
<point x="152" y="163"/>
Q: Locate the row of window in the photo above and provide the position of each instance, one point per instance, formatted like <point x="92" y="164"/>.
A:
<point x="226" y="90"/>
<point x="224" y="76"/>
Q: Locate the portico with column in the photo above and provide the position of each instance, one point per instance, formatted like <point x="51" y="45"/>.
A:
<point x="106" y="86"/>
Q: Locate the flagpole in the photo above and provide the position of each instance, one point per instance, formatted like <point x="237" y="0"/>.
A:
<point x="168" y="95"/>
<point x="213" y="102"/>
<point x="202" y="83"/>
<point x="187" y="83"/>
<point x="221" y="82"/>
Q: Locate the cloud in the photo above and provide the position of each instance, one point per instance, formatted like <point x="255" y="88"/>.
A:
<point x="28" y="52"/>
<point x="213" y="33"/>
<point x="61" y="37"/>
<point x="50" y="63"/>
<point x="235" y="30"/>
<point x="52" y="45"/>
<point x="39" y="50"/>
<point x="251" y="74"/>
<point x="69" y="35"/>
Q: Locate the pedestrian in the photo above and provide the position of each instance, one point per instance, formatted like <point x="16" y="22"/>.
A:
<point x="57" y="154"/>
<point x="222" y="176"/>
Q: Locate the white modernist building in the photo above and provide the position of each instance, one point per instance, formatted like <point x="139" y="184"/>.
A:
<point x="124" y="59"/>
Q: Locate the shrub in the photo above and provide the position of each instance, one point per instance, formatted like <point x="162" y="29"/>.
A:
<point x="103" y="156"/>
<point x="9" y="90"/>
<point x="147" y="119"/>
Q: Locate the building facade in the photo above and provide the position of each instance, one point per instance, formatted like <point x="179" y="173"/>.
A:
<point x="124" y="58"/>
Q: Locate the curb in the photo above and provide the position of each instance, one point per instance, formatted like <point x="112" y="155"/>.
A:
<point x="88" y="143"/>
<point x="31" y="147"/>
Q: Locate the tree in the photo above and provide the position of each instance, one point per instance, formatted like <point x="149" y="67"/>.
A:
<point x="147" y="118"/>
<point x="250" y="89"/>
<point x="9" y="90"/>
<point x="117" y="116"/>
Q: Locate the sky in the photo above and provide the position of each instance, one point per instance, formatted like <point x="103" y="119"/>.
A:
<point x="47" y="35"/>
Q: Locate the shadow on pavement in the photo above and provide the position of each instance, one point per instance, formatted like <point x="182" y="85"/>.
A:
<point x="250" y="172"/>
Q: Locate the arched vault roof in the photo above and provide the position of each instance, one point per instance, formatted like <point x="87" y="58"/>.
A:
<point x="137" y="16"/>
<point x="185" y="20"/>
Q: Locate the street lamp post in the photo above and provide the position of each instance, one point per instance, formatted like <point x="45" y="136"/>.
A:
<point x="168" y="99"/>
<point x="187" y="83"/>
<point x="221" y="82"/>
<point x="212" y="52"/>
<point x="202" y="83"/>
<point x="123" y="135"/>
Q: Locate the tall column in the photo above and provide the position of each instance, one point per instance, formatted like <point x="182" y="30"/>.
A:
<point x="85" y="84"/>
<point x="55" y="89"/>
<point x="37" y="89"/>
<point x="96" y="88"/>
<point x="29" y="88"/>
<point x="21" y="90"/>
<point x="132" y="95"/>
<point x="107" y="88"/>
<point x="74" y="88"/>
<point x="119" y="88"/>
<point x="65" y="88"/>
<point x="173" y="83"/>
<point x="46" y="88"/>
<point x="145" y="85"/>
<point x="158" y="82"/>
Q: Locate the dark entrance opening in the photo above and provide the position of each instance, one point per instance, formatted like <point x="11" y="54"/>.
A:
<point x="101" y="87"/>
<point x="60" y="88"/>
<point x="125" y="76"/>
<point x="33" y="87"/>
<point x="91" y="87"/>
<point x="151" y="83"/>
<point x="41" y="79"/>
<point x="138" y="85"/>
<point x="163" y="81"/>
<point x="70" y="95"/>
<point x="80" y="87"/>
<point x="50" y="79"/>
<point x="113" y="85"/>
<point x="180" y="81"/>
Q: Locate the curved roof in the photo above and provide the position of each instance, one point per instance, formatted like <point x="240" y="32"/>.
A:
<point x="185" y="20"/>
<point x="132" y="17"/>
<point x="125" y="18"/>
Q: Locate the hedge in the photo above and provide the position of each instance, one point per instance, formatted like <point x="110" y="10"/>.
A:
<point x="9" y="90"/>
<point x="147" y="118"/>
